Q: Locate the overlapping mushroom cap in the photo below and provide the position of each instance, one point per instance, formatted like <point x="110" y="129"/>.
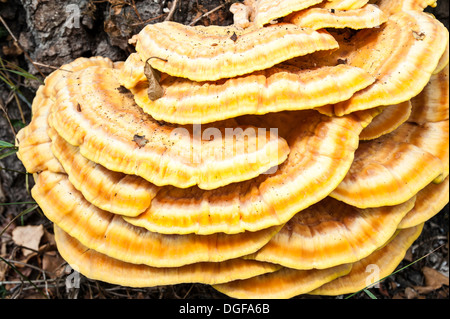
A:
<point x="394" y="6"/>
<point x="332" y="233"/>
<point x="111" y="235"/>
<point x="342" y="279"/>
<point x="394" y="167"/>
<point x="344" y="4"/>
<point x="280" y="88"/>
<point x="266" y="11"/>
<point x="269" y="158"/>
<point x="387" y="121"/>
<point x="101" y="267"/>
<point x="213" y="53"/>
<point x="256" y="89"/>
<point x="369" y="16"/>
<point x="429" y="201"/>
<point x="402" y="54"/>
<point x="35" y="144"/>
<point x="321" y="150"/>
<point x="385" y="260"/>
<point x="131" y="142"/>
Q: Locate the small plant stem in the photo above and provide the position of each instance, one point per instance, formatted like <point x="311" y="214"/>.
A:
<point x="18" y="44"/>
<point x="7" y="118"/>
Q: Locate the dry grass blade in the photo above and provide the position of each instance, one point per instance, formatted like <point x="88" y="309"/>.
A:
<point x="397" y="271"/>
<point x="21" y="214"/>
<point x="24" y="277"/>
<point x="2" y="107"/>
<point x="172" y="10"/>
<point x="18" y="44"/>
<point x="208" y="13"/>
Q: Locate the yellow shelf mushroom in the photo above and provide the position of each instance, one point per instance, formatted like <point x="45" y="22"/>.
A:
<point x="97" y="266"/>
<point x="269" y="158"/>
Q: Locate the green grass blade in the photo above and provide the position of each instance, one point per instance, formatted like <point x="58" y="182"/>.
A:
<point x="20" y="215"/>
<point x="16" y="203"/>
<point x="18" y="124"/>
<point x="5" y="155"/>
<point x="370" y="294"/>
<point x="4" y="144"/>
<point x="12" y="170"/>
<point x="3" y="32"/>
<point x="23" y="74"/>
<point x="11" y="85"/>
<point x="23" y="276"/>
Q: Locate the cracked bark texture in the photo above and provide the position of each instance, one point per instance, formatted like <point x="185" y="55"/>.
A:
<point x="58" y="31"/>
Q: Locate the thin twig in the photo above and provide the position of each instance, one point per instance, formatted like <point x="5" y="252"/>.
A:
<point x="172" y="10"/>
<point x="22" y="275"/>
<point x="26" y="211"/>
<point x="11" y="170"/>
<point x="208" y="13"/>
<point x="135" y="10"/>
<point x="149" y="20"/>
<point x="12" y="96"/>
<point x="187" y="293"/>
<point x="426" y="240"/>
<point x="18" y="282"/>
<point x="18" y="44"/>
<point x="16" y="203"/>
<point x="58" y="285"/>
<point x="51" y="67"/>
<point x="13" y="91"/>
<point x="7" y="118"/>
<point x="25" y="264"/>
<point x="43" y="271"/>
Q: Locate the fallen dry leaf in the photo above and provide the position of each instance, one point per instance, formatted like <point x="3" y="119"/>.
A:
<point x="410" y="293"/>
<point x="51" y="263"/>
<point x="234" y="37"/>
<point x="419" y="35"/>
<point x="155" y="91"/>
<point x="409" y="255"/>
<point x="141" y="141"/>
<point x="433" y="280"/>
<point x="28" y="237"/>
<point x="49" y="238"/>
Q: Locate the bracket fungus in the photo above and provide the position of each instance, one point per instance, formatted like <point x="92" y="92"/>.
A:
<point x="394" y="6"/>
<point x="369" y="16"/>
<point x="110" y="235"/>
<point x="387" y="121"/>
<point x="386" y="259"/>
<point x="280" y="88"/>
<point x="342" y="279"/>
<point x="402" y="62"/>
<point x="101" y="267"/>
<point x="213" y="53"/>
<point x="35" y="144"/>
<point x="343" y="5"/>
<point x="309" y="239"/>
<point x="321" y="150"/>
<point x="394" y="167"/>
<point x="429" y="201"/>
<point x="273" y="157"/>
<point x="169" y="155"/>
